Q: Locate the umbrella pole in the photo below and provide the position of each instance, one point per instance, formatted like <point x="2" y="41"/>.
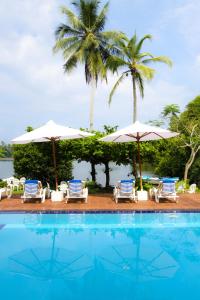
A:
<point x="140" y="164"/>
<point x="54" y="162"/>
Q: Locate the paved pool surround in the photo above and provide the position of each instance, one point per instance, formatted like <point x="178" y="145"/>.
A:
<point x="103" y="203"/>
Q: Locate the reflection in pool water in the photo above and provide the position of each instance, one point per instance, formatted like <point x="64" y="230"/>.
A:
<point x="84" y="256"/>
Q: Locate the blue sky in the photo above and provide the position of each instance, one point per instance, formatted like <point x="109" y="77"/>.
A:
<point x="33" y="88"/>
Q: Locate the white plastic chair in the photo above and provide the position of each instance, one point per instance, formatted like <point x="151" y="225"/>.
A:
<point x="22" y="181"/>
<point x="16" y="183"/>
<point x="10" y="181"/>
<point x="192" y="188"/>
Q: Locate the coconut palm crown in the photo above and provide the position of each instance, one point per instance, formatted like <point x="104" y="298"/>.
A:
<point x="82" y="40"/>
<point x="135" y="62"/>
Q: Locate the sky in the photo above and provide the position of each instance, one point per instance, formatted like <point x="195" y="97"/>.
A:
<point x="34" y="88"/>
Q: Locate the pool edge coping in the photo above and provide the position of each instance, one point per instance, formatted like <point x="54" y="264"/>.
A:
<point x="104" y="211"/>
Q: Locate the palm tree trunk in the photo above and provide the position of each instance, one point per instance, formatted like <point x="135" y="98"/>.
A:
<point x="93" y="87"/>
<point x="134" y="100"/>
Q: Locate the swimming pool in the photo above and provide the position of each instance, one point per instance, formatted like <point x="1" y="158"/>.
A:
<point x="146" y="256"/>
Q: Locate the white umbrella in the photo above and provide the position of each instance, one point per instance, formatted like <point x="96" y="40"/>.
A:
<point x="51" y="132"/>
<point x="138" y="132"/>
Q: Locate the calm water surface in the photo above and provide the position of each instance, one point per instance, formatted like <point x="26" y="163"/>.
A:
<point x="82" y="171"/>
<point x="102" y="256"/>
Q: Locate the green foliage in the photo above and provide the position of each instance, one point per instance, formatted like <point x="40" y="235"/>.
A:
<point x="94" y="188"/>
<point x="170" y="110"/>
<point x="34" y="160"/>
<point x="194" y="175"/>
<point x="5" y="150"/>
<point x="170" y="158"/>
<point x="3" y="184"/>
<point x="145" y="184"/>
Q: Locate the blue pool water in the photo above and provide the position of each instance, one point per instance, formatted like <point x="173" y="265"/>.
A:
<point x="100" y="256"/>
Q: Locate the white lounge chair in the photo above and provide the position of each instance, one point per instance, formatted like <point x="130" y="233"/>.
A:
<point x="167" y="190"/>
<point x="76" y="190"/>
<point x="125" y="190"/>
<point x="33" y="190"/>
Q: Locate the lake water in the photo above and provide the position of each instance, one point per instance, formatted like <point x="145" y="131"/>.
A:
<point x="82" y="171"/>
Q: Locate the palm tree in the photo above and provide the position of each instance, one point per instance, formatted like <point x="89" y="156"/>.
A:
<point x="171" y="110"/>
<point x="82" y="40"/>
<point x="136" y="64"/>
<point x="171" y="114"/>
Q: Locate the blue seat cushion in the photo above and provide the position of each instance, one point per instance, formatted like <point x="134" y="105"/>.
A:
<point x="31" y="181"/>
<point x="127" y="181"/>
<point x="75" y="181"/>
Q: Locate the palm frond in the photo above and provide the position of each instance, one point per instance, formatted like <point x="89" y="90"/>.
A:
<point x="140" y="56"/>
<point x="145" y="71"/>
<point x="162" y="59"/>
<point x="113" y="36"/>
<point x="71" y="63"/>
<point x="88" y="12"/>
<point x="64" y="43"/>
<point x="140" y="84"/>
<point x="132" y="41"/>
<point x="140" y="43"/>
<point x="101" y="19"/>
<point x="74" y="48"/>
<point x="65" y="30"/>
<point x="73" y="19"/>
<point x="113" y="63"/>
<point x="121" y="78"/>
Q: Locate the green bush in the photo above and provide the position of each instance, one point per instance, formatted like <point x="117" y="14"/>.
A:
<point x="35" y="161"/>
<point x="146" y="185"/>
<point x="93" y="187"/>
<point x="3" y="184"/>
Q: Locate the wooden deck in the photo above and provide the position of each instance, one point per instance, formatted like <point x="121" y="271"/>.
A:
<point x="187" y="202"/>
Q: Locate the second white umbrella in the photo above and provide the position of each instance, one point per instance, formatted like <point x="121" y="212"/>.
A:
<point x="139" y="132"/>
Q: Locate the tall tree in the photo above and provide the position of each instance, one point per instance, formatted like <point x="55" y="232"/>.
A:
<point x="188" y="124"/>
<point x="186" y="147"/>
<point x="170" y="110"/>
<point x="171" y="113"/>
<point x="82" y="39"/>
<point x="135" y="62"/>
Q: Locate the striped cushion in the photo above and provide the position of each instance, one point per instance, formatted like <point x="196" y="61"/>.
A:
<point x="168" y="187"/>
<point x="126" y="187"/>
<point x="75" y="186"/>
<point x="31" y="188"/>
